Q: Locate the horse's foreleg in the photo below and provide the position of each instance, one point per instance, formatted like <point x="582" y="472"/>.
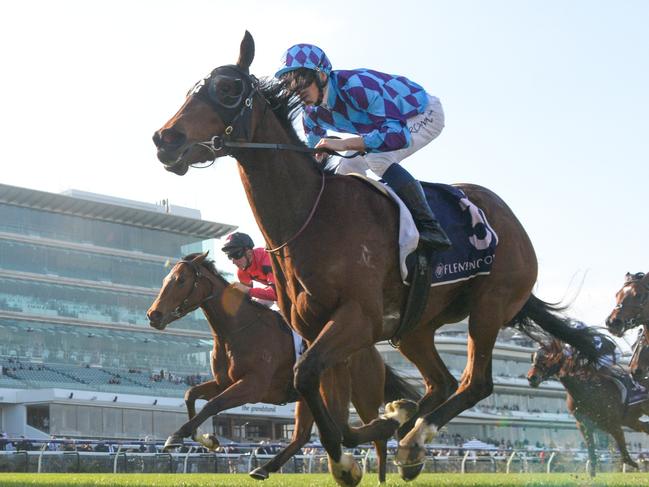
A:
<point x="477" y="385"/>
<point x="205" y="390"/>
<point x="367" y="371"/>
<point x="587" y="433"/>
<point x="618" y="436"/>
<point x="245" y="390"/>
<point x="301" y="434"/>
<point x="348" y="331"/>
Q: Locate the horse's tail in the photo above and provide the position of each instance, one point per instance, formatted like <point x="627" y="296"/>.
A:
<point x="537" y="319"/>
<point x="396" y="387"/>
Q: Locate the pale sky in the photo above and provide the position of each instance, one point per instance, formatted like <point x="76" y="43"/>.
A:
<point x="546" y="103"/>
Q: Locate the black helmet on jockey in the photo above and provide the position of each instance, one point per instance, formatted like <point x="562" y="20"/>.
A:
<point x="236" y="244"/>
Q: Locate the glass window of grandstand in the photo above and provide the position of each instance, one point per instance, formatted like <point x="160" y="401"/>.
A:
<point x="38" y="416"/>
<point x="287" y="430"/>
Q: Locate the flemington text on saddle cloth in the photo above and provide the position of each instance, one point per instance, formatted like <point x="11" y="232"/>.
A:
<point x="474" y="241"/>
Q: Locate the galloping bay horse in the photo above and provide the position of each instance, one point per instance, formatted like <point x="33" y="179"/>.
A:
<point x="592" y="398"/>
<point x="252" y="360"/>
<point x="631" y="311"/>
<point x="333" y="242"/>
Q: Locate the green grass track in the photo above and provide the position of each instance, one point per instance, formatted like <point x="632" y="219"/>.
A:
<point x="316" y="480"/>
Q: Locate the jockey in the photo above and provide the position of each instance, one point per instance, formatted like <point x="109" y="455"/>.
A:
<point x="253" y="265"/>
<point x="608" y="365"/>
<point x="390" y="116"/>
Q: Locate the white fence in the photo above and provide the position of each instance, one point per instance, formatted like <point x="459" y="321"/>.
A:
<point x="124" y="460"/>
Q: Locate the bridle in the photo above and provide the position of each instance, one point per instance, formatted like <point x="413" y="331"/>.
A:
<point x="544" y="370"/>
<point x="641" y="305"/>
<point x="235" y="110"/>
<point x="184" y="308"/>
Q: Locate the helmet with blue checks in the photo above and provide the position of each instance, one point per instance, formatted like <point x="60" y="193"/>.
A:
<point x="304" y="56"/>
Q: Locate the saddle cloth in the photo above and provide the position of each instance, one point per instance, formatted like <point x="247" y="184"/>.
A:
<point x="474" y="241"/>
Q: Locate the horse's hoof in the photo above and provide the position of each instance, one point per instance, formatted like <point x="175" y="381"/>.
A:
<point x="401" y="410"/>
<point x="412" y="456"/>
<point x="410" y="472"/>
<point x="347" y="472"/>
<point x="173" y="442"/>
<point x="259" y="474"/>
<point x="208" y="440"/>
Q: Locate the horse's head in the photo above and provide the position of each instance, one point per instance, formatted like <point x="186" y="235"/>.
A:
<point x="218" y="107"/>
<point x="546" y="362"/>
<point x="632" y="304"/>
<point x="184" y="289"/>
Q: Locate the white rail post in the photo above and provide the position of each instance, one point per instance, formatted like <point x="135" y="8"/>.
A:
<point x="187" y="459"/>
<point x="40" y="457"/>
<point x="119" y="450"/>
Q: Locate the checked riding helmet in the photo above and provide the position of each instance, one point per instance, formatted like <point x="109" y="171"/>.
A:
<point x="236" y="244"/>
<point x="301" y="65"/>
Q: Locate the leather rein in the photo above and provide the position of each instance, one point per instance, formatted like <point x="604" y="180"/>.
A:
<point x="240" y="115"/>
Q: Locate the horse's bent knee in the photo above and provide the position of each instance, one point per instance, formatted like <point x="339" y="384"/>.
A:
<point x="190" y="395"/>
<point x="307" y="376"/>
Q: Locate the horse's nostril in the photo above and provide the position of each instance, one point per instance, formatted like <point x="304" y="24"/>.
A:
<point x="154" y="315"/>
<point x="168" y="139"/>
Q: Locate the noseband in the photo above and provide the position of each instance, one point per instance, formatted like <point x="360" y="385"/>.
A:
<point x="184" y="308"/>
<point x="641" y="306"/>
<point x="236" y="113"/>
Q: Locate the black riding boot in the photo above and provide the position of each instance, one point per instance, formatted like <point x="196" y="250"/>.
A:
<point x="431" y="234"/>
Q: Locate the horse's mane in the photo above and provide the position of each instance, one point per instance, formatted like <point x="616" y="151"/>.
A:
<point x="286" y="107"/>
<point x="211" y="266"/>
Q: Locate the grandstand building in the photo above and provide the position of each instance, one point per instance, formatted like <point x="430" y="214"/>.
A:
<point x="78" y="359"/>
<point x="77" y="356"/>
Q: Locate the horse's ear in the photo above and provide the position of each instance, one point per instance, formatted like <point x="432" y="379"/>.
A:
<point x="200" y="257"/>
<point x="246" y="52"/>
<point x="628" y="277"/>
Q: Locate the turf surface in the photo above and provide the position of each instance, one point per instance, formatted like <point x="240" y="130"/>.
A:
<point x="316" y="480"/>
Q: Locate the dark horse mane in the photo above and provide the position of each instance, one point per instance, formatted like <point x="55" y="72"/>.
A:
<point x="211" y="266"/>
<point x="286" y="108"/>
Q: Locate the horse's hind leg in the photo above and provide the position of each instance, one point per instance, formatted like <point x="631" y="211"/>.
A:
<point x="618" y="436"/>
<point x="206" y="390"/>
<point x="301" y="434"/>
<point x="476" y="382"/>
<point x="587" y="433"/>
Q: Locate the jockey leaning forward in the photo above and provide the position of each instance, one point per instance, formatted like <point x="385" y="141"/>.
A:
<point x="253" y="264"/>
<point x="390" y="116"/>
<point x="608" y="365"/>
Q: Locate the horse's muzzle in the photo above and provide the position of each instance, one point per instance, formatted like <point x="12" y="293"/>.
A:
<point x="615" y="326"/>
<point x="156" y="320"/>
<point x="533" y="380"/>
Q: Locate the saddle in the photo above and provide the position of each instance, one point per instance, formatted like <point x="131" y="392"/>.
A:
<point x="472" y="253"/>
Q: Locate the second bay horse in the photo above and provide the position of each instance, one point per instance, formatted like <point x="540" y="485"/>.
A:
<point x="592" y="398"/>
<point x="333" y="242"/>
<point x="252" y="361"/>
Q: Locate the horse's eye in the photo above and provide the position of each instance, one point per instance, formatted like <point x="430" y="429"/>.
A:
<point x="181" y="280"/>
